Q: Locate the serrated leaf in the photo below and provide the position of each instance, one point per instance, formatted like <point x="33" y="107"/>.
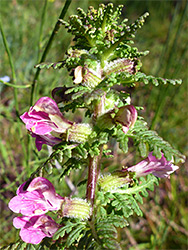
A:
<point x="75" y="234"/>
<point x="63" y="230"/>
<point x="142" y="135"/>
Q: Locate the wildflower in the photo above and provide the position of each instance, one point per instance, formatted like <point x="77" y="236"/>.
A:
<point x="126" y="116"/>
<point x="151" y="165"/>
<point x="5" y="79"/>
<point x="45" y="122"/>
<point x="35" y="228"/>
<point x="39" y="198"/>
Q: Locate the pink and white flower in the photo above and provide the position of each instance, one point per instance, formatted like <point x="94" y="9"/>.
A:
<point x="151" y="165"/>
<point x="45" y="122"/>
<point x="39" y="198"/>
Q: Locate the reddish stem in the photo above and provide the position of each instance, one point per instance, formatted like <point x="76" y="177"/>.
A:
<point x="93" y="173"/>
<point x="94" y="162"/>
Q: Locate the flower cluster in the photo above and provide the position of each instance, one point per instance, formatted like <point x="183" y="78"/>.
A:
<point x="39" y="198"/>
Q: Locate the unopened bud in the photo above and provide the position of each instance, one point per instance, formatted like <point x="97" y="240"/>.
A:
<point x="127" y="116"/>
<point x="86" y="77"/>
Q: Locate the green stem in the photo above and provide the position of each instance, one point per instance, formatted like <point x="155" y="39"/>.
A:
<point x="41" y="27"/>
<point x="12" y="68"/>
<point x="163" y="91"/>
<point x="92" y="226"/>
<point x="165" y="47"/>
<point x="109" y="51"/>
<point x="48" y="46"/>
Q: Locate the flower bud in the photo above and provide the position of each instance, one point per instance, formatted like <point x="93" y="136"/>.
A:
<point x="75" y="208"/>
<point x="127" y="116"/>
<point x="86" y="76"/>
<point x="151" y="165"/>
<point x="59" y="94"/>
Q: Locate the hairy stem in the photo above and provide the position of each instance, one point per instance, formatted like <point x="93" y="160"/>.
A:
<point x="54" y="32"/>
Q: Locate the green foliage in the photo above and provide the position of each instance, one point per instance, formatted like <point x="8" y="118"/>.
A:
<point x="124" y="200"/>
<point x="74" y="230"/>
<point x="147" y="140"/>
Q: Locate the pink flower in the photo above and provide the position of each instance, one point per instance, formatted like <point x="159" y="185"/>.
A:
<point x="46" y="123"/>
<point x="127" y="116"/>
<point x="35" y="228"/>
<point x="151" y="165"/>
<point x="39" y="198"/>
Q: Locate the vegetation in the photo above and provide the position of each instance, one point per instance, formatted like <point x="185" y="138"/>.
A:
<point x="27" y="32"/>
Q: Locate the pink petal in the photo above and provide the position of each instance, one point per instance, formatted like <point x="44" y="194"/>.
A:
<point x="47" y="105"/>
<point x="35" y="228"/>
<point x="19" y="222"/>
<point x="45" y="139"/>
<point x="29" y="203"/>
<point x="43" y="127"/>
<point x="32" y="236"/>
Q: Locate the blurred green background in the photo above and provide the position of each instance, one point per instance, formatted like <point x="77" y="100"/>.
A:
<point x="27" y="26"/>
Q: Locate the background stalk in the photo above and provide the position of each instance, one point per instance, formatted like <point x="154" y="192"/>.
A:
<point x="15" y="93"/>
<point x="54" y="32"/>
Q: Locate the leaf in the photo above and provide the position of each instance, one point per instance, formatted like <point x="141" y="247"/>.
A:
<point x="65" y="229"/>
<point x="56" y="65"/>
<point x="149" y="140"/>
<point x="141" y="77"/>
<point x="75" y="234"/>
